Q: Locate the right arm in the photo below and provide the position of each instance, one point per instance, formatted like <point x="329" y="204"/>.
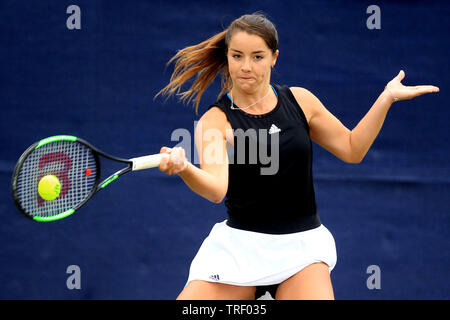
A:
<point x="211" y="179"/>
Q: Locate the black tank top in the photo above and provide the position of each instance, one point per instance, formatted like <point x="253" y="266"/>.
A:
<point x="266" y="194"/>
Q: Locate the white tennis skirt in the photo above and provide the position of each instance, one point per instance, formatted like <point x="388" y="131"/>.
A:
<point x="246" y="258"/>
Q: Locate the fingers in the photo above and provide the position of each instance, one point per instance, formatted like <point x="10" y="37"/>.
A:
<point x="397" y="79"/>
<point x="423" y="88"/>
<point x="165" y="150"/>
<point x="401" y="75"/>
<point x="427" y="88"/>
<point x="398" y="91"/>
<point x="174" y="160"/>
<point x="420" y="90"/>
<point x="163" y="164"/>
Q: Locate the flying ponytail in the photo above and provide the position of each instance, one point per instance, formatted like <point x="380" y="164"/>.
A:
<point x="209" y="58"/>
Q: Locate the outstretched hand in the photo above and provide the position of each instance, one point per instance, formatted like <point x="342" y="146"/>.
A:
<point x="398" y="91"/>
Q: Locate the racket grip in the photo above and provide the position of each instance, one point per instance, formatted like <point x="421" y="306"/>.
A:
<point x="146" y="162"/>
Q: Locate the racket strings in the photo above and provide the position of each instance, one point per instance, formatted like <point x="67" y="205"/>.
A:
<point x="71" y="162"/>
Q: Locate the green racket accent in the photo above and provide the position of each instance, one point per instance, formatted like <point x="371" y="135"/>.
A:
<point x="109" y="180"/>
<point x="55" y="138"/>
<point x="56" y="217"/>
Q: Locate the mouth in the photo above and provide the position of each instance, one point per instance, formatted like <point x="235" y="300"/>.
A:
<point x="246" y="78"/>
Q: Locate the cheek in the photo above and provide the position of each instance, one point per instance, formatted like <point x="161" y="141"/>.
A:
<point x="262" y="71"/>
<point x="233" y="67"/>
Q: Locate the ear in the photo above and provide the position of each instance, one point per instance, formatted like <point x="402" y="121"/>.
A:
<point x="275" y="57"/>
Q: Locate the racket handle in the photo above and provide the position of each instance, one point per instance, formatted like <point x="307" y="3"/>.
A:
<point x="146" y="162"/>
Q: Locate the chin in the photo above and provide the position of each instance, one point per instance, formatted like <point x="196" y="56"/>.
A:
<point x="247" y="86"/>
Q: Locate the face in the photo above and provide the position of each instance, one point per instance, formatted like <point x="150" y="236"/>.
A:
<point x="250" y="61"/>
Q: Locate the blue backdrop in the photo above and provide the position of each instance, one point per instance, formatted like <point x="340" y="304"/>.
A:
<point x="137" y="238"/>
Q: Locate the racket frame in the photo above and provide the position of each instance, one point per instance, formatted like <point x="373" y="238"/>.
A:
<point x="97" y="186"/>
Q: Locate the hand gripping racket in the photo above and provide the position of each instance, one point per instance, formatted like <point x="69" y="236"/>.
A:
<point x="75" y="165"/>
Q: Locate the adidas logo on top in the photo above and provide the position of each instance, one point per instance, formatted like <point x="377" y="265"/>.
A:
<point x="274" y="129"/>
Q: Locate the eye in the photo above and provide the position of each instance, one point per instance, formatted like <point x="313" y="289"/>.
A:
<point x="259" y="57"/>
<point x="236" y="56"/>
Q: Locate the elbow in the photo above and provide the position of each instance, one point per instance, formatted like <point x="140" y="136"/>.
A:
<point x="217" y="198"/>
<point x="353" y="158"/>
<point x="219" y="192"/>
<point x="357" y="161"/>
<point x="354" y="155"/>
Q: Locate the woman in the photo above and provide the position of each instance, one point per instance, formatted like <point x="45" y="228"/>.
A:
<point x="273" y="235"/>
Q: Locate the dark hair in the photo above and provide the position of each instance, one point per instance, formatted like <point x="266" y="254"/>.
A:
<point x="208" y="58"/>
<point x="255" y="24"/>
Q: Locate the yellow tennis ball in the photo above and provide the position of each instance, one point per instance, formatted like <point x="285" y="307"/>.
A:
<point x="49" y="187"/>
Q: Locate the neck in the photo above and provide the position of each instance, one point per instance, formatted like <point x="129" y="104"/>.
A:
<point x="251" y="100"/>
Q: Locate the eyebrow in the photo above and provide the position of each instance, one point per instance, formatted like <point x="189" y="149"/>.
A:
<point x="258" y="51"/>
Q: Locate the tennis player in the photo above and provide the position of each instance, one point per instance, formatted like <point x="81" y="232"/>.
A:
<point x="272" y="237"/>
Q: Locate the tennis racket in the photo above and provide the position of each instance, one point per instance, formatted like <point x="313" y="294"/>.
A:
<point x="75" y="165"/>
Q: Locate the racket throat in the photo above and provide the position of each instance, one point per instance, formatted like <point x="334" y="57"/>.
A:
<point x="112" y="177"/>
<point x="108" y="181"/>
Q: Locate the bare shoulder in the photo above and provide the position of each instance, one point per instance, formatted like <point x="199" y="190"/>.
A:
<point x="214" y="118"/>
<point x="307" y="101"/>
<point x="214" y="114"/>
<point x="299" y="90"/>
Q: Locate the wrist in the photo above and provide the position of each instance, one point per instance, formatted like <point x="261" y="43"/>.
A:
<point x="185" y="166"/>
<point x="388" y="94"/>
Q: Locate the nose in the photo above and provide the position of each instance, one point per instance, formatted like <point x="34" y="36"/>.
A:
<point x="246" y="66"/>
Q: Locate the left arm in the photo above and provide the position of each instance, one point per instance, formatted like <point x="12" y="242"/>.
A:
<point x="352" y="146"/>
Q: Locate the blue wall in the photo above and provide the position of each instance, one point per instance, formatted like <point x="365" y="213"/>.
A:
<point x="137" y="238"/>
